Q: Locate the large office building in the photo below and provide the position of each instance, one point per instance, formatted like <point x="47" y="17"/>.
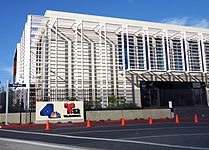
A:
<point x="65" y="56"/>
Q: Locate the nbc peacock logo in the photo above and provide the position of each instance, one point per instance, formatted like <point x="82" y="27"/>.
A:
<point x="48" y="110"/>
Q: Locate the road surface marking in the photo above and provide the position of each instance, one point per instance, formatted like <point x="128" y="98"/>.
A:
<point x="66" y="147"/>
<point x="168" y="135"/>
<point x="126" y="130"/>
<point x="106" y="139"/>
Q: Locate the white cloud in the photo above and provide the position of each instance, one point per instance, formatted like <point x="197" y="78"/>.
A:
<point x="9" y="70"/>
<point x="177" y="21"/>
<point x="203" y="23"/>
<point x="187" y="21"/>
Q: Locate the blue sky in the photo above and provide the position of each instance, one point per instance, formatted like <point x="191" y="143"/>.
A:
<point x="13" y="14"/>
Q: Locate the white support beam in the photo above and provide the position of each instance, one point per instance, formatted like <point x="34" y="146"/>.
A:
<point x="140" y="31"/>
<point x="44" y="60"/>
<point x="175" y="35"/>
<point x="82" y="62"/>
<point x="157" y="33"/>
<point x="69" y="59"/>
<point x="177" y="77"/>
<point x="148" y="46"/>
<point x="93" y="71"/>
<point x="101" y="67"/>
<point x="200" y="52"/>
<point x="144" y="49"/>
<point x="27" y="75"/>
<point x="143" y="78"/>
<point x="127" y="44"/>
<point x="164" y="51"/>
<point x="192" y="37"/>
<point x="203" y="54"/>
<point x="158" y="75"/>
<point x="168" y="50"/>
<point x="206" y="39"/>
<point x="56" y="73"/>
<point x="60" y="35"/>
<point x="106" y="64"/>
<point x="114" y="69"/>
<point x="76" y="62"/>
<point x="186" y="52"/>
<point x="124" y="65"/>
<point x="49" y="56"/>
<point x="182" y="50"/>
<point x="194" y="77"/>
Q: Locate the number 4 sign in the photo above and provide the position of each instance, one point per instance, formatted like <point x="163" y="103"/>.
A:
<point x="59" y="111"/>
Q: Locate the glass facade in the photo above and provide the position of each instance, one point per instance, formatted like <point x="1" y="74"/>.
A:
<point x="194" y="56"/>
<point x="176" y="55"/>
<point x="157" y="94"/>
<point x="206" y="47"/>
<point x="130" y="56"/>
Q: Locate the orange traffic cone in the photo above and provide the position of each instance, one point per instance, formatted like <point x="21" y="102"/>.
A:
<point x="88" y="124"/>
<point x="195" y="119"/>
<point x="177" y="119"/>
<point x="123" y="121"/>
<point x="150" y="120"/>
<point x="47" y="126"/>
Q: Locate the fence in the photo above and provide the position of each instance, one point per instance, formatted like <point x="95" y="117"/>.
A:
<point x="18" y="98"/>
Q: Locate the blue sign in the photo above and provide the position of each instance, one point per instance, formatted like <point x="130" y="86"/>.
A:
<point x="17" y="85"/>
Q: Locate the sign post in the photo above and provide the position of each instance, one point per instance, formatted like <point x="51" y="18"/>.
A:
<point x="7" y="101"/>
<point x="7" y="98"/>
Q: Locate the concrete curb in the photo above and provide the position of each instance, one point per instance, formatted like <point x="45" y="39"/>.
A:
<point x="96" y="122"/>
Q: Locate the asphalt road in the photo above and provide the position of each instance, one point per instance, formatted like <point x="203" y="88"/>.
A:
<point x="134" y="136"/>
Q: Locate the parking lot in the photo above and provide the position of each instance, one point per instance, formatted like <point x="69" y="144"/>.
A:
<point x="134" y="135"/>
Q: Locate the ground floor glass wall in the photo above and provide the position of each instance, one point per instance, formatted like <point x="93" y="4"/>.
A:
<point x="158" y="93"/>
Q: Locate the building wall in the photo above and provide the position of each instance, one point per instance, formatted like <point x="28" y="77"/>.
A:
<point x="128" y="114"/>
<point x="91" y="57"/>
<point x="25" y="118"/>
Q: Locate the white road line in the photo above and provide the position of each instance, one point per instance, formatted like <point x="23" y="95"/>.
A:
<point x="168" y="135"/>
<point x="66" y="147"/>
<point x="126" y="130"/>
<point x="109" y="140"/>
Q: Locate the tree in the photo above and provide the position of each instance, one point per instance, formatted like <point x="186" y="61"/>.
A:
<point x="2" y="89"/>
